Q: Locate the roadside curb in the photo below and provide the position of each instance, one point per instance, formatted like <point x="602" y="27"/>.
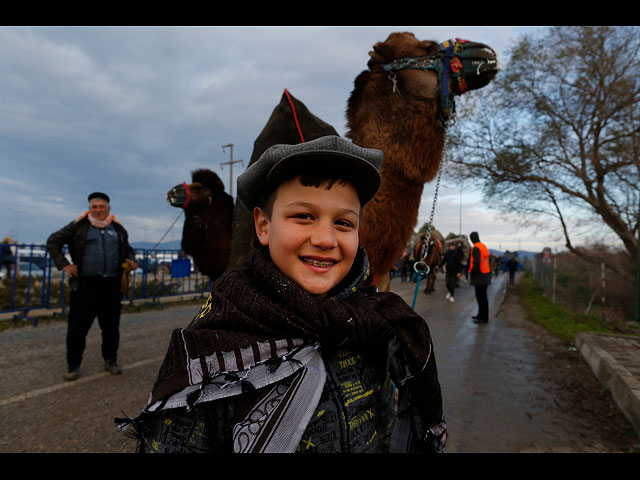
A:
<point x="615" y="360"/>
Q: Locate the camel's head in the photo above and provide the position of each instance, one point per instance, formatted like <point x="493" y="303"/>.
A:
<point x="200" y="192"/>
<point x="429" y="69"/>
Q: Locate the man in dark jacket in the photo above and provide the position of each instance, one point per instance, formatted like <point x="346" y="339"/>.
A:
<point x="99" y="247"/>
<point x="512" y="264"/>
<point x="454" y="267"/>
<point x="480" y="276"/>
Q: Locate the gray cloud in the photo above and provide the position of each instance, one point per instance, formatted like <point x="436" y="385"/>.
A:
<point x="132" y="110"/>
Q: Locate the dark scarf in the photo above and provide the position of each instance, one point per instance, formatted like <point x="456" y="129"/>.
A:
<point x="255" y="304"/>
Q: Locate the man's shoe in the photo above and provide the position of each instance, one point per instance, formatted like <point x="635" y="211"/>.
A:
<point x="112" y="367"/>
<point x="451" y="299"/>
<point x="477" y="320"/>
<point x="72" y="373"/>
<point x="448" y="296"/>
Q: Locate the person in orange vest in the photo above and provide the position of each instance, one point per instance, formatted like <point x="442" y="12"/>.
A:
<point x="480" y="276"/>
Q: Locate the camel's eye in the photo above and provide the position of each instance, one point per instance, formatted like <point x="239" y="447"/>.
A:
<point x="431" y="49"/>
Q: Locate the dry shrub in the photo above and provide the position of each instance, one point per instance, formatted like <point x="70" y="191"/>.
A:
<point x="580" y="287"/>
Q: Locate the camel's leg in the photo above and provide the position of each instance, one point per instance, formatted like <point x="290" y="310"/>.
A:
<point x="430" y="287"/>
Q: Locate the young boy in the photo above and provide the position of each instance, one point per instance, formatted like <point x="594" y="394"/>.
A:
<point x="290" y="353"/>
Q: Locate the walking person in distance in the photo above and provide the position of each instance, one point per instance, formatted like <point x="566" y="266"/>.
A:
<point x="453" y="270"/>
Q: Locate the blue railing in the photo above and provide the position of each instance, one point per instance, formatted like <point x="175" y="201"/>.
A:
<point x="29" y="280"/>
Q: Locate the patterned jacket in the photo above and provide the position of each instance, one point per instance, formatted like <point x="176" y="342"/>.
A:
<point x="279" y="394"/>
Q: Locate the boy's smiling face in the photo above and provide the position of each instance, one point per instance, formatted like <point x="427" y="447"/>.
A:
<point x="312" y="234"/>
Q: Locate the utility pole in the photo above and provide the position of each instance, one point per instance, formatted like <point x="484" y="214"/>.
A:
<point x="460" y="215"/>
<point x="230" y="163"/>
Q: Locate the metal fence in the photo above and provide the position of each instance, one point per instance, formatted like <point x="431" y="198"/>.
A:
<point x="30" y="281"/>
<point x="545" y="272"/>
<point x="564" y="282"/>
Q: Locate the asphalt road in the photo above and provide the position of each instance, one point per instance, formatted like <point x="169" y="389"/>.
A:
<point x="509" y="386"/>
<point x="497" y="396"/>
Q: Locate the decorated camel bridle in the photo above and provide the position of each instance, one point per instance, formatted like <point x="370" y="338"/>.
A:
<point x="184" y="196"/>
<point x="450" y="63"/>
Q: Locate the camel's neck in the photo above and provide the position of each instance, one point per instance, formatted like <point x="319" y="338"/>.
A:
<point x="388" y="220"/>
<point x="397" y="200"/>
<point x="409" y="133"/>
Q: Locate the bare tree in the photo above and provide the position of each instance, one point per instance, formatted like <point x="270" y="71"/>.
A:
<point x="557" y="133"/>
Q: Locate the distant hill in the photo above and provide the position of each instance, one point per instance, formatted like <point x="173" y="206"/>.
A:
<point x="169" y="245"/>
<point x="521" y="254"/>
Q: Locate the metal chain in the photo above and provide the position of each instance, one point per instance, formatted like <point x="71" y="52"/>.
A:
<point x="425" y="246"/>
<point x="433" y="206"/>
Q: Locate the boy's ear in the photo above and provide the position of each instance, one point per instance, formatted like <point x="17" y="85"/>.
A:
<point x="261" y="222"/>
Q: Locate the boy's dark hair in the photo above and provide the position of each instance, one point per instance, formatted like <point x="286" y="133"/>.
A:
<point x="309" y="176"/>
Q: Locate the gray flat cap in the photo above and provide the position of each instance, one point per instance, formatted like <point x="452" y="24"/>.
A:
<point x="361" y="166"/>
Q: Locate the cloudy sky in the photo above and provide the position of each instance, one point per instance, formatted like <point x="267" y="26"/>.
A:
<point x="131" y="111"/>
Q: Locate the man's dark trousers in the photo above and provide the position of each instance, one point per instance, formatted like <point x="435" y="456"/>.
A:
<point x="483" y="302"/>
<point x="95" y="297"/>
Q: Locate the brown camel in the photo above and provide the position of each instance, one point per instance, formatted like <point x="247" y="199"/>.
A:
<point x="400" y="105"/>
<point x="404" y="112"/>
<point x="208" y="210"/>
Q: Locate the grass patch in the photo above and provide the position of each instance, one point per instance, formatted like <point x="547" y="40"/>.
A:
<point x="563" y="323"/>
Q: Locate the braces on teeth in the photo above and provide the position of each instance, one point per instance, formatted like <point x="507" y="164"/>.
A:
<point x="318" y="263"/>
